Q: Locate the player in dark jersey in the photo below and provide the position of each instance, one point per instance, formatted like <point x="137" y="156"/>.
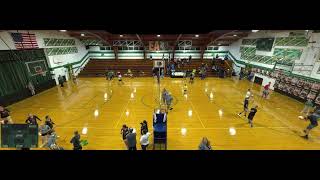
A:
<point x="120" y="78"/>
<point x="49" y="122"/>
<point x="191" y="78"/>
<point x="125" y="132"/>
<point x="5" y="116"/>
<point x="32" y="119"/>
<point x="251" y="115"/>
<point x="313" y="118"/>
<point x="245" y="107"/>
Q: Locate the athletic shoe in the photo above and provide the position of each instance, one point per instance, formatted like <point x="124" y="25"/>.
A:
<point x="171" y="108"/>
<point x="306" y="137"/>
<point x="304" y="131"/>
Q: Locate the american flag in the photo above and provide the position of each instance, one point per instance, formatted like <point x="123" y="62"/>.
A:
<point x="24" y="40"/>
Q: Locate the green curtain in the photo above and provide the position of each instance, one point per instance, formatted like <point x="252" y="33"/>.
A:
<point x="14" y="74"/>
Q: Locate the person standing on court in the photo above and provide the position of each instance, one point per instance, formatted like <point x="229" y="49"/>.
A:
<point x="185" y="89"/>
<point x="32" y="119"/>
<point x="313" y="118"/>
<point x="124" y="133"/>
<point x="265" y="92"/>
<point x="144" y="127"/>
<point x="169" y="101"/>
<point x="252" y="113"/>
<point x="76" y="141"/>
<point x="31" y="88"/>
<point x="164" y="95"/>
<point x="49" y="122"/>
<point x="44" y="131"/>
<point x="144" y="139"/>
<point x="249" y="94"/>
<point x="51" y="142"/>
<point x="131" y="138"/>
<point x="246" y="103"/>
<point x="307" y="107"/>
<point x="61" y="80"/>
<point x="5" y="116"/>
<point x="205" y="144"/>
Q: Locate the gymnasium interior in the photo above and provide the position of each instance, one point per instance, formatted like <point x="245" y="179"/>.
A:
<point x="73" y="76"/>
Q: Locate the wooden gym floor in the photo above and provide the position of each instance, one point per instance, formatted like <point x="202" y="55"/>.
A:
<point x="276" y="124"/>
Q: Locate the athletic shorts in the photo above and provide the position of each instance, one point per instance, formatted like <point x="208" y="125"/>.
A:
<point x="44" y="134"/>
<point x="312" y="125"/>
<point x="265" y="92"/>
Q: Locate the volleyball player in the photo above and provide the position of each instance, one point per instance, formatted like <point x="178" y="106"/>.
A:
<point x="246" y="103"/>
<point x="124" y="133"/>
<point x="249" y="94"/>
<point x="245" y="107"/>
<point x="192" y="77"/>
<point x="49" y="122"/>
<point x="5" y="116"/>
<point x="252" y="113"/>
<point x="32" y="119"/>
<point x="144" y="127"/>
<point x="119" y="78"/>
<point x="169" y="101"/>
<point x="76" y="141"/>
<point x="44" y="131"/>
<point x="185" y="89"/>
<point x="313" y="118"/>
<point x="265" y="92"/>
<point x="164" y="95"/>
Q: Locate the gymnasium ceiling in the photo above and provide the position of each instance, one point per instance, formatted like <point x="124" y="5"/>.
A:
<point x="213" y="38"/>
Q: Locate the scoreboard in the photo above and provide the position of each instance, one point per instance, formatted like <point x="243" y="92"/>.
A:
<point x="19" y="136"/>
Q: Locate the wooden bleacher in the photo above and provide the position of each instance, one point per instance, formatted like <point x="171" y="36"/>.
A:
<point x="98" y="67"/>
